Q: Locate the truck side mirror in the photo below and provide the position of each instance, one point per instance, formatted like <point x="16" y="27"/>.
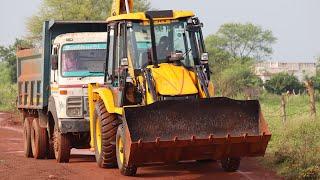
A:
<point x="204" y="58"/>
<point x="124" y="62"/>
<point x="54" y="62"/>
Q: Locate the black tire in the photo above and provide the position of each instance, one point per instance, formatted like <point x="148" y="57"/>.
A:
<point x="22" y="115"/>
<point x="206" y="160"/>
<point x="230" y="164"/>
<point x="107" y="124"/>
<point x="123" y="166"/>
<point x="50" y="148"/>
<point x="27" y="138"/>
<point x="61" y="144"/>
<point x="38" y="140"/>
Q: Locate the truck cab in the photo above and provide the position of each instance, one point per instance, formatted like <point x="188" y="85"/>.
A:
<point x="52" y="86"/>
<point x="78" y="59"/>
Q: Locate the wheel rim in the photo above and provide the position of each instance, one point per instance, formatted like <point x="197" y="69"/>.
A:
<point x="120" y="150"/>
<point x="98" y="135"/>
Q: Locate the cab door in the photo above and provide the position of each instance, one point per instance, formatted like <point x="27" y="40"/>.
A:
<point x="117" y="50"/>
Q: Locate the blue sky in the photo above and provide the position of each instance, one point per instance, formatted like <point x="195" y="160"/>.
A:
<point x="294" y="22"/>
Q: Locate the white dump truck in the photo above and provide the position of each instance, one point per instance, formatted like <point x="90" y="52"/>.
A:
<point x="52" y="87"/>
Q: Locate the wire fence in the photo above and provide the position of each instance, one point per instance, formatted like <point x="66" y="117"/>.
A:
<point x="287" y="104"/>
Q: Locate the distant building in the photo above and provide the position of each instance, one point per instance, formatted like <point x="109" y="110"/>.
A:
<point x="266" y="69"/>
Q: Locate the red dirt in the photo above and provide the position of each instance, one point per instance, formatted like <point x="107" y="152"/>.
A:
<point x="13" y="165"/>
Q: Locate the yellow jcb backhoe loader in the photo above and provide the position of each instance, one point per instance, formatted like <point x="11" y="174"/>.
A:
<point x="157" y="104"/>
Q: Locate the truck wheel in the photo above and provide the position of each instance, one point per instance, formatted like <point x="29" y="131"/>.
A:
<point x="206" y="160"/>
<point x="27" y="138"/>
<point x="230" y="164"/>
<point x="123" y="166"/>
<point x="38" y="140"/>
<point x="50" y="149"/>
<point x="104" y="132"/>
<point x="61" y="143"/>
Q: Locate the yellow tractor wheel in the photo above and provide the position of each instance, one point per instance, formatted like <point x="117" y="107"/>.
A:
<point x="104" y="131"/>
<point x="123" y="166"/>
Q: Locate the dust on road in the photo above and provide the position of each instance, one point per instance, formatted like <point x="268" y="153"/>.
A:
<point x="13" y="165"/>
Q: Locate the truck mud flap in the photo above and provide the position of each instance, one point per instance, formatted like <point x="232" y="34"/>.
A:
<point x="176" y="130"/>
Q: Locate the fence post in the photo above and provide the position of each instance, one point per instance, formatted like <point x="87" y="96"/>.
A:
<point x="283" y="108"/>
<point x="310" y="89"/>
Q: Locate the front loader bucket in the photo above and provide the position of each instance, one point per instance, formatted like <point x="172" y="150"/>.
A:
<point x="177" y="130"/>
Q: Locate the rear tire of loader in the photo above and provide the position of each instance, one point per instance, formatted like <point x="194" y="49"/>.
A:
<point x="123" y="166"/>
<point x="27" y="138"/>
<point x="104" y="132"/>
<point x="61" y="143"/>
<point x="38" y="140"/>
<point x="230" y="164"/>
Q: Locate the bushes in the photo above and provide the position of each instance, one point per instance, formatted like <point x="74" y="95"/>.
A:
<point x="297" y="152"/>
<point x="283" y="82"/>
<point x="8" y="91"/>
<point x="8" y="94"/>
<point x="294" y="150"/>
<point x="235" y="78"/>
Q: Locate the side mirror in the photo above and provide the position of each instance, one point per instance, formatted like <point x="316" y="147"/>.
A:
<point x="204" y="58"/>
<point x="54" y="62"/>
<point x="124" y="62"/>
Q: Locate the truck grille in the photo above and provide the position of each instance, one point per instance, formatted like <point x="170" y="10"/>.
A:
<point x="86" y="107"/>
<point x="74" y="107"/>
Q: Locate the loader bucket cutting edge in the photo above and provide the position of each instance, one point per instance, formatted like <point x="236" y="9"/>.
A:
<point x="215" y="128"/>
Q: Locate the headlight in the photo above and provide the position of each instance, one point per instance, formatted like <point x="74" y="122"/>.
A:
<point x="74" y="107"/>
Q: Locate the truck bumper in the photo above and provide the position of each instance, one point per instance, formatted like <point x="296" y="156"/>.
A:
<point x="74" y="125"/>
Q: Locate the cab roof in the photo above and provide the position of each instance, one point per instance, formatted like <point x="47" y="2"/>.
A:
<point x="158" y="15"/>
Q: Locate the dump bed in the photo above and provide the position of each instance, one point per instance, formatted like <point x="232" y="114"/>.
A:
<point x="33" y="65"/>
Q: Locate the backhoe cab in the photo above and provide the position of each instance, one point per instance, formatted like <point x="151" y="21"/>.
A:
<point x="157" y="105"/>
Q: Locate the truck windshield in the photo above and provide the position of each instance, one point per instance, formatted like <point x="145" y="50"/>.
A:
<point x="83" y="60"/>
<point x="172" y="37"/>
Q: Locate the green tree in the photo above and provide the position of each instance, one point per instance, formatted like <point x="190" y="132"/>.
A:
<point x="8" y="58"/>
<point x="282" y="83"/>
<point x="318" y="66"/>
<point x="243" y="40"/>
<point x="5" y="75"/>
<point x="233" y="51"/>
<point x="236" y="77"/>
<point x="74" y="10"/>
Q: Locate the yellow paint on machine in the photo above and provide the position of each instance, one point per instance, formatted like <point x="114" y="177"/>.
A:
<point x="95" y="93"/>
<point x="142" y="17"/>
<point x="173" y="80"/>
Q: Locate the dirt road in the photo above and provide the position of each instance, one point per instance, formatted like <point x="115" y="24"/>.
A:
<point x="13" y="165"/>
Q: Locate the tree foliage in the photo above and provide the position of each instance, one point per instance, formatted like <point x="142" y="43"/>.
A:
<point x="237" y="77"/>
<point x="243" y="40"/>
<point x="74" y="10"/>
<point x="282" y="83"/>
<point x="8" y="69"/>
<point x="233" y="51"/>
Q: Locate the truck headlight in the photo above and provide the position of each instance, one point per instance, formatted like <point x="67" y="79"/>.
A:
<point x="74" y="107"/>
